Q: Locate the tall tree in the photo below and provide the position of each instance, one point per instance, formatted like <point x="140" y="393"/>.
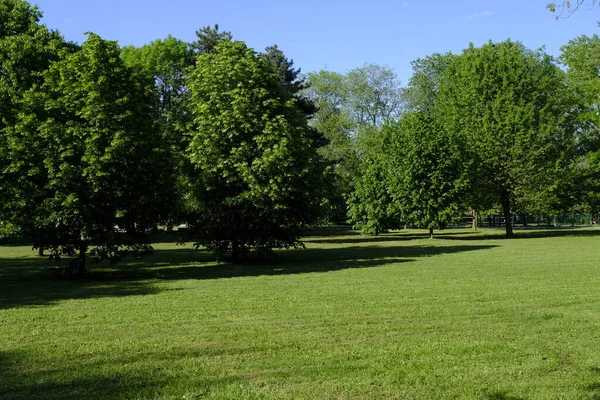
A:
<point x="103" y="166"/>
<point x="427" y="170"/>
<point x="163" y="65"/>
<point x="581" y="56"/>
<point x="208" y="38"/>
<point x="27" y="48"/>
<point x="511" y="107"/>
<point x="257" y="178"/>
<point x="351" y="108"/>
<point x="371" y="207"/>
<point x="374" y="95"/>
<point x="423" y="88"/>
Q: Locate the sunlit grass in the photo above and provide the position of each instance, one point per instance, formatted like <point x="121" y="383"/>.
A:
<point x="466" y="315"/>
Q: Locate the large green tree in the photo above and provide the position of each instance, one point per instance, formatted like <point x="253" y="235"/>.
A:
<point x="581" y="56"/>
<point x="371" y="207"/>
<point x="412" y="170"/>
<point x="100" y="163"/>
<point x="27" y="48"/>
<point x="257" y="178"/>
<point x="510" y="106"/>
<point x="163" y="66"/>
<point x="428" y="171"/>
<point x="352" y="108"/>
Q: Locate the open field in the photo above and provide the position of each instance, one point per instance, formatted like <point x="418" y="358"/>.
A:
<point x="466" y="315"/>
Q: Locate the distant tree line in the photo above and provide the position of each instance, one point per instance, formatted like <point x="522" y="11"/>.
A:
<point x="99" y="143"/>
<point x="497" y="127"/>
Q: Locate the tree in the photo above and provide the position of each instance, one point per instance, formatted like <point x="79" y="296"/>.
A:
<point x="163" y="65"/>
<point x="351" y="108"/>
<point x="27" y="48"/>
<point x="581" y="56"/>
<point x="257" y="177"/>
<point x="374" y="95"/>
<point x="209" y="38"/>
<point x="101" y="171"/>
<point x="510" y="106"/>
<point x="423" y="88"/>
<point x="428" y="171"/>
<point x="371" y="207"/>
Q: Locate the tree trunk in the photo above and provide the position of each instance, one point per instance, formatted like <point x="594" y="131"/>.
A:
<point x="236" y="251"/>
<point x="41" y="251"/>
<point x="475" y="221"/>
<point x="431" y="233"/>
<point x="82" y="250"/>
<point x="505" y="200"/>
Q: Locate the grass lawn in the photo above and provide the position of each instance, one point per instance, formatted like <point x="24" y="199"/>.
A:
<point x="464" y="316"/>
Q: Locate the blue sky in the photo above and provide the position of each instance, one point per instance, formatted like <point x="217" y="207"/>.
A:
<point x="331" y="34"/>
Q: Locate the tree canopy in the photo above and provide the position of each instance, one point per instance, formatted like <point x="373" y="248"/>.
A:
<point x="257" y="178"/>
<point x="510" y="106"/>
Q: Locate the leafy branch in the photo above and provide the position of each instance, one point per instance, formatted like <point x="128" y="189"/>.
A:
<point x="565" y="9"/>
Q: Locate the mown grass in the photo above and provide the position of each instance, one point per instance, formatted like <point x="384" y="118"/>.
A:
<point x="466" y="315"/>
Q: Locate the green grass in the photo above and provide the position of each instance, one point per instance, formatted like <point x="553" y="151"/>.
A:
<point x="463" y="316"/>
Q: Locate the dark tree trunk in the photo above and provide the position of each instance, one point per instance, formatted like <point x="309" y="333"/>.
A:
<point x="83" y="246"/>
<point x="236" y="251"/>
<point x="431" y="233"/>
<point x="41" y="251"/>
<point x="505" y="200"/>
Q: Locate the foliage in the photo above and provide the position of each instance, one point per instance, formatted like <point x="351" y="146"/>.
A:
<point x="26" y="50"/>
<point x="351" y="107"/>
<point x="163" y="65"/>
<point x="257" y="177"/>
<point x="423" y="87"/>
<point x="510" y="106"/>
<point x="374" y="96"/>
<point x="565" y="9"/>
<point x="99" y="166"/>
<point x="371" y="207"/>
<point x="430" y="172"/>
<point x="582" y="59"/>
<point x="208" y="38"/>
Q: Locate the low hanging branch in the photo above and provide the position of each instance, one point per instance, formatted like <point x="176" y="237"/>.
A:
<point x="565" y="9"/>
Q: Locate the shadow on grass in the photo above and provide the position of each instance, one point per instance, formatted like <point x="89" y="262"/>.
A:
<point x="344" y="235"/>
<point x="299" y="261"/>
<point x="594" y="388"/>
<point x="526" y="234"/>
<point x="115" y="378"/>
<point x="26" y="282"/>
<point x="502" y="396"/>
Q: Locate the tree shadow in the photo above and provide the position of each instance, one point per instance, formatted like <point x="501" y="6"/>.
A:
<point x="331" y="230"/>
<point x="502" y="396"/>
<point x="297" y="261"/>
<point x="366" y="239"/>
<point x="529" y="234"/>
<point x="25" y="281"/>
<point x="594" y="387"/>
<point x="117" y="377"/>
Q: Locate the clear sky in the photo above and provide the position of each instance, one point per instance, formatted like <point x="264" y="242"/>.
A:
<point x="333" y="34"/>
